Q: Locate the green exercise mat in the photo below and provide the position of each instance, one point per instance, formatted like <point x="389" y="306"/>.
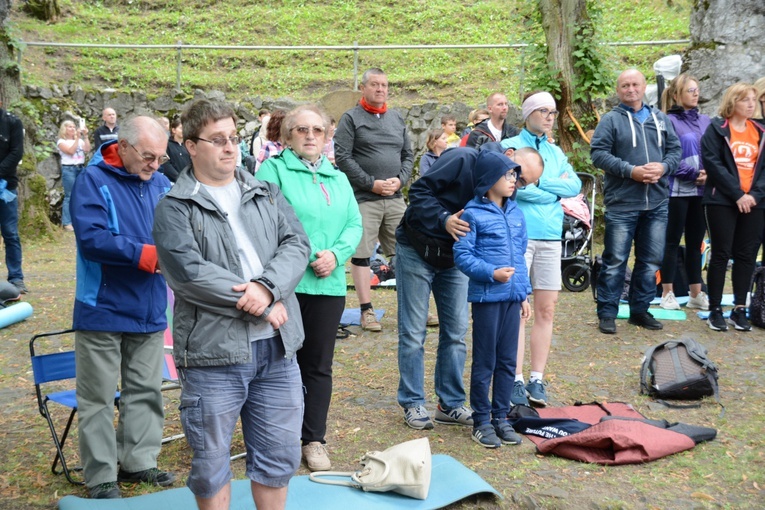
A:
<point x="658" y="313"/>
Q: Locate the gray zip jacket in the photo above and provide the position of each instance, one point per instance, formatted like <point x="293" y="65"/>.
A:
<point x="199" y="258"/>
<point x="620" y="143"/>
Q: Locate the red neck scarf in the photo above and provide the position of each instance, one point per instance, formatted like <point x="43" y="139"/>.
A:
<point x="372" y="109"/>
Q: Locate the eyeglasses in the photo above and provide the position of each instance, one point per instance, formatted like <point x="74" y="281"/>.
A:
<point x="148" y="159"/>
<point x="221" y="141"/>
<point x="512" y="175"/>
<point x="303" y="130"/>
<point x="548" y="113"/>
<point x="693" y="90"/>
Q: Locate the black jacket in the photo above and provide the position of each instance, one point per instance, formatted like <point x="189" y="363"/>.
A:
<point x="482" y="134"/>
<point x="11" y="147"/>
<point x="179" y="159"/>
<point x="723" y="186"/>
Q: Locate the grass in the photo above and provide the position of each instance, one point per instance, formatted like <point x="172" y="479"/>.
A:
<point x="416" y="75"/>
<point x="584" y="366"/>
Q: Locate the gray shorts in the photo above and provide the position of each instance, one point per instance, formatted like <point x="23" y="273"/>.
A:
<point x="543" y="263"/>
<point x="267" y="394"/>
<point x="380" y="219"/>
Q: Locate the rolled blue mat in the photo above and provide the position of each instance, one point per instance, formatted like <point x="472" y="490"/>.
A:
<point x="15" y="313"/>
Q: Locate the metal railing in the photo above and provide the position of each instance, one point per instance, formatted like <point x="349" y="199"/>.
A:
<point x="355" y="48"/>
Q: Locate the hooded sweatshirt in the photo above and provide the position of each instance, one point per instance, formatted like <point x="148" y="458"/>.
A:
<point x="497" y="238"/>
<point x="689" y="126"/>
<point x="620" y="143"/>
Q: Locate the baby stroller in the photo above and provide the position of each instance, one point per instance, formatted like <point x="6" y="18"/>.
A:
<point x="576" y="254"/>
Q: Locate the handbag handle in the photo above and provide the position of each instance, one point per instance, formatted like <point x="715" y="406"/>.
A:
<point x="317" y="477"/>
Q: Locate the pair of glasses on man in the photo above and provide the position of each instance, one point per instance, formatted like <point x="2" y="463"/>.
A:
<point x="148" y="159"/>
<point x="221" y="141"/>
<point x="514" y="175"/>
<point x="304" y="130"/>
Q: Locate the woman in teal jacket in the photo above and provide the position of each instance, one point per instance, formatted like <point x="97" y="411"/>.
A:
<point x="323" y="201"/>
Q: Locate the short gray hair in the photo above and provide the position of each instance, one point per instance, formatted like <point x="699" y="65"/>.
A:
<point x="369" y="72"/>
<point x="132" y="128"/>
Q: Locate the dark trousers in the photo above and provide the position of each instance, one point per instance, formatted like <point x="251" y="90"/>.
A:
<point x="734" y="236"/>
<point x="321" y="316"/>
<point x="495" y="344"/>
<point x="686" y="215"/>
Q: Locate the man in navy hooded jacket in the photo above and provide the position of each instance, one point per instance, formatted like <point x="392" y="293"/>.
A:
<point x="425" y="262"/>
<point x="119" y="309"/>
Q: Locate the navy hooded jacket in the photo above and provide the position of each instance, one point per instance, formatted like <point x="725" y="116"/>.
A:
<point x="112" y="215"/>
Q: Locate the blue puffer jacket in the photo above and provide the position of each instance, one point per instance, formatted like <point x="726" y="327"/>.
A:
<point x="497" y="238"/>
<point x="112" y="216"/>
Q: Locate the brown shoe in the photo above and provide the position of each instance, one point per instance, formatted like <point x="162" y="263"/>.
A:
<point x="369" y="320"/>
<point x="316" y="458"/>
<point x="432" y="320"/>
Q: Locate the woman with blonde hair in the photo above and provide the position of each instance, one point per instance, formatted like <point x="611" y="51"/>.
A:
<point x="733" y="154"/>
<point x="436" y="144"/>
<point x="686" y="188"/>
<point x="72" y="145"/>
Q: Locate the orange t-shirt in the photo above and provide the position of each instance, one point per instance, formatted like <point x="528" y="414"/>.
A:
<point x="743" y="144"/>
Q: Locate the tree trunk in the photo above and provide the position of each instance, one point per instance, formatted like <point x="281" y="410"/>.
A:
<point x="563" y="21"/>
<point x="46" y="10"/>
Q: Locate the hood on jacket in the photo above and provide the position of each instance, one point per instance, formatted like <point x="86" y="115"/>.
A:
<point x="493" y="146"/>
<point x="489" y="168"/>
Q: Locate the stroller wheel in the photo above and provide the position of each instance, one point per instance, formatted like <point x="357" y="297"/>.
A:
<point x="576" y="277"/>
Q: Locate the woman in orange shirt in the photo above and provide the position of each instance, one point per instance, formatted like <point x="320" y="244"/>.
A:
<point x="733" y="154"/>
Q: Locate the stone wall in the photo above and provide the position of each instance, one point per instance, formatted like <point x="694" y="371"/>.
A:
<point x="71" y="102"/>
<point x="727" y="46"/>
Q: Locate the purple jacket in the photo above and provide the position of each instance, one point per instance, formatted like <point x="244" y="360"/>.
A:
<point x="689" y="126"/>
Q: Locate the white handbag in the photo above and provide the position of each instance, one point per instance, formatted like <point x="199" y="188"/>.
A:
<point x="404" y="468"/>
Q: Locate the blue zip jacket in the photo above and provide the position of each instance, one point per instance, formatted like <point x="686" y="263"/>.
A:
<point x="112" y="216"/>
<point x="620" y="143"/>
<point x="540" y="203"/>
<point x="497" y="238"/>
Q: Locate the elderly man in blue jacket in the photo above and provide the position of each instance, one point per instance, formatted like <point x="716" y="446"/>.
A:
<point x="119" y="310"/>
<point x="637" y="148"/>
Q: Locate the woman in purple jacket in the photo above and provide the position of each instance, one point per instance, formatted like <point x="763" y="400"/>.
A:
<point x="686" y="188"/>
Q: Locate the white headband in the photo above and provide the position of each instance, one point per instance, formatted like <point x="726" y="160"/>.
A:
<point x="537" y="101"/>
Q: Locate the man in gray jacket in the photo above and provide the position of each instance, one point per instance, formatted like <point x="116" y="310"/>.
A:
<point x="374" y="151"/>
<point x="233" y="251"/>
<point x="637" y="148"/>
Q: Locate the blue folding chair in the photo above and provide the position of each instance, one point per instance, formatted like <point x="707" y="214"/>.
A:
<point x="49" y="368"/>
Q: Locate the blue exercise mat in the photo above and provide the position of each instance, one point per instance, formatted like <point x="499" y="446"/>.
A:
<point x="450" y="481"/>
<point x="352" y="316"/>
<point x="658" y="313"/>
<point x="705" y="315"/>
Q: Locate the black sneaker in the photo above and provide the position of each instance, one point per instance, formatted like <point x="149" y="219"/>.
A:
<point x="485" y="436"/>
<point x="738" y="319"/>
<point x="607" y="325"/>
<point x="716" y="321"/>
<point x="505" y="432"/>
<point x="151" y="476"/>
<point x="518" y="394"/>
<point x="645" y="320"/>
<point x="108" y="490"/>
<point x="19" y="284"/>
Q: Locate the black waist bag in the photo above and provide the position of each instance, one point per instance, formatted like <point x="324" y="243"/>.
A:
<point x="436" y="252"/>
<point x="678" y="369"/>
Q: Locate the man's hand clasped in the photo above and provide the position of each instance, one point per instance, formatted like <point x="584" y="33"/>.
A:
<point x="256" y="300"/>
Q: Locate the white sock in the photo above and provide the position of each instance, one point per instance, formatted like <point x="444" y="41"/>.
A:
<point x="535" y="376"/>
<point x="519" y="377"/>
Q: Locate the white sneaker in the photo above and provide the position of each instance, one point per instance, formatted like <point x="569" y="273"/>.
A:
<point x="700" y="302"/>
<point x="316" y="458"/>
<point x="669" y="302"/>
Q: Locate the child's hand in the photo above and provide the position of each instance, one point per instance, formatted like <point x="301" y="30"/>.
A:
<point x="525" y="310"/>
<point x="503" y="274"/>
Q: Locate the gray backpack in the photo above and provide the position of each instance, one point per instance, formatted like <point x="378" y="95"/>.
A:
<point x="679" y="369"/>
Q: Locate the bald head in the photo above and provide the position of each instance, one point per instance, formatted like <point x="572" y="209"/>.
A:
<point x="630" y="87"/>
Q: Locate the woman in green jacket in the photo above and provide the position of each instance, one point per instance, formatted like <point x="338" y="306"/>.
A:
<point x="323" y="201"/>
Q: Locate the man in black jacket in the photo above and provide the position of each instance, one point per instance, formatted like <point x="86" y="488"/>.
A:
<point x="108" y="130"/>
<point x="11" y="151"/>
<point x="495" y="128"/>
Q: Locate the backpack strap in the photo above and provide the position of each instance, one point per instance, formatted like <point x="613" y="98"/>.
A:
<point x="645" y="383"/>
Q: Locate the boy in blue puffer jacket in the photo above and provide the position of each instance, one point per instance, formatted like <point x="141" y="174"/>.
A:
<point x="492" y="256"/>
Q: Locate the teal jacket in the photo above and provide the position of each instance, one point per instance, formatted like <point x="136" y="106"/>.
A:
<point x="325" y="205"/>
<point x="540" y="203"/>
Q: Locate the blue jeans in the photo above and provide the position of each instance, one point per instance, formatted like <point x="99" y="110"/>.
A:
<point x="415" y="279"/>
<point x="267" y="394"/>
<point x="9" y="228"/>
<point x="648" y="230"/>
<point x="69" y="174"/>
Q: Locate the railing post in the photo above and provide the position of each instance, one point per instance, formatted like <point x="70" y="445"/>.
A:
<point x="178" y="67"/>
<point x="355" y="65"/>
<point x="523" y="74"/>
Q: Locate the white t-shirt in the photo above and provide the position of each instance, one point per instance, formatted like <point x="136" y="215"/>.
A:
<point x="78" y="158"/>
<point x="229" y="199"/>
<point x="496" y="133"/>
